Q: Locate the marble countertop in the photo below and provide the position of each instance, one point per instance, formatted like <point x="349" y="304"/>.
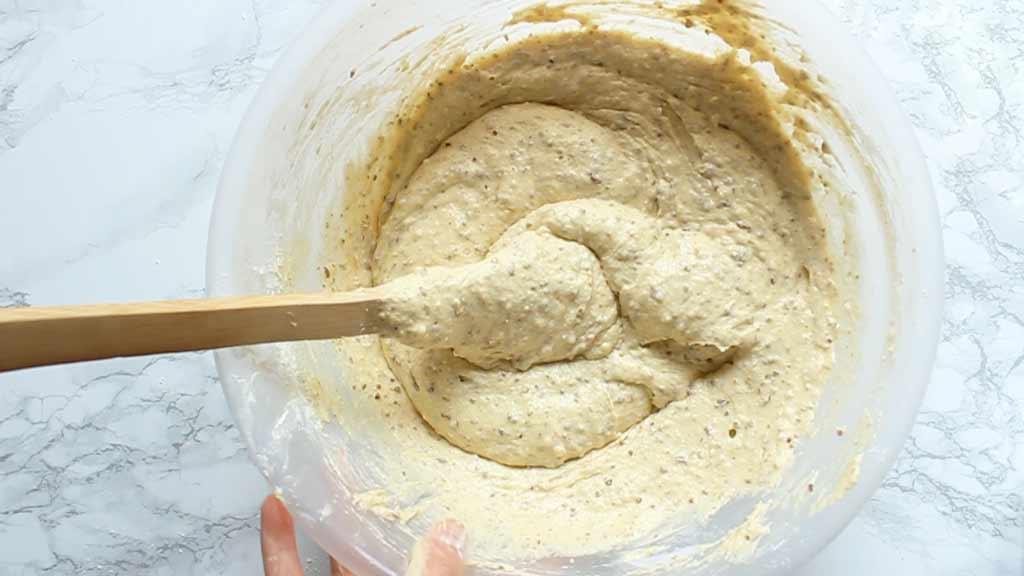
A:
<point x="115" y="118"/>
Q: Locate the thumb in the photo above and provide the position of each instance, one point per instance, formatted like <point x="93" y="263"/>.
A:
<point x="439" y="553"/>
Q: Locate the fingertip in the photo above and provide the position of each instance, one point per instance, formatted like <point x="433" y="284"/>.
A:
<point x="277" y="539"/>
<point x="450" y="533"/>
<point x="444" y="549"/>
<point x="274" y="514"/>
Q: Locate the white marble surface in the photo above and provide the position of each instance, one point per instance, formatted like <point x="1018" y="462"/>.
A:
<point x="115" y="116"/>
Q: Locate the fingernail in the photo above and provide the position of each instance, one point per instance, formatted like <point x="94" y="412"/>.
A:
<point x="451" y="533"/>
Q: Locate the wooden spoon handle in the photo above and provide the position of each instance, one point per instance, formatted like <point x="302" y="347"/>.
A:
<point x="42" y="336"/>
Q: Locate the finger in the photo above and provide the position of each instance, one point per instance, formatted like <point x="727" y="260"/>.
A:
<point x="277" y="539"/>
<point x="439" y="553"/>
<point x="444" y="556"/>
<point x="338" y="569"/>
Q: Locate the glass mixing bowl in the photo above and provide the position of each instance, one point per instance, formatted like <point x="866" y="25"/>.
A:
<point x="285" y="172"/>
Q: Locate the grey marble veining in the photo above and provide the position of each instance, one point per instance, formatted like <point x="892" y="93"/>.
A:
<point x="114" y="121"/>
<point x="954" y="503"/>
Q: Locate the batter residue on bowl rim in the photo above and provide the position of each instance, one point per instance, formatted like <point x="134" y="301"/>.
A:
<point x="678" y="175"/>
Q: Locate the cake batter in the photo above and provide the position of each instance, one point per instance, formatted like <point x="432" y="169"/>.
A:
<point x="612" y="298"/>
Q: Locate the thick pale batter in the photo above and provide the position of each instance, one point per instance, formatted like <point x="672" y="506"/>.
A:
<point x="688" y="303"/>
<point x="612" y="294"/>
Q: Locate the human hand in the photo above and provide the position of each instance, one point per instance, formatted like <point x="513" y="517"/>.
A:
<point x="437" y="554"/>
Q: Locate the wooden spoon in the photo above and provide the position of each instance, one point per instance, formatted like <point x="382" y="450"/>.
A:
<point x="43" y="336"/>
